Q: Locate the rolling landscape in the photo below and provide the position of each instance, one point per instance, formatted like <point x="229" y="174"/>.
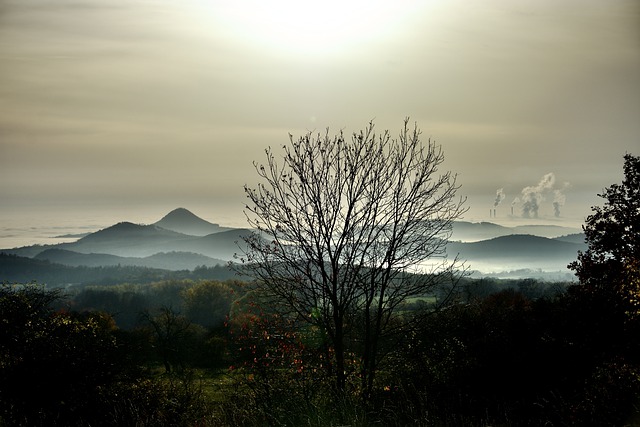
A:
<point x="183" y="241"/>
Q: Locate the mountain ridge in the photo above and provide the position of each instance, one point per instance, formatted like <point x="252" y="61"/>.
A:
<point x="486" y="246"/>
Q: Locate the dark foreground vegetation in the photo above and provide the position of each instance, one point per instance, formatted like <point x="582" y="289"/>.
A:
<point x="209" y="353"/>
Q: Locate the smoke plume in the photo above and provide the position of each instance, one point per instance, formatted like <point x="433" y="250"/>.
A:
<point x="559" y="198"/>
<point x="532" y="196"/>
<point x="499" y="197"/>
<point x="558" y="202"/>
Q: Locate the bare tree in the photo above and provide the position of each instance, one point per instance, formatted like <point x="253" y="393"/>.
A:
<point x="350" y="229"/>
<point x="172" y="333"/>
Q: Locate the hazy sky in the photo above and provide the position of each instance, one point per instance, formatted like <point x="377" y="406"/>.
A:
<point x="127" y="105"/>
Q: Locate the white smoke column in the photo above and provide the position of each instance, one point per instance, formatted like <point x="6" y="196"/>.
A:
<point x="532" y="196"/>
<point x="499" y="197"/>
<point x="558" y="202"/>
<point x="559" y="199"/>
<point x="514" y="203"/>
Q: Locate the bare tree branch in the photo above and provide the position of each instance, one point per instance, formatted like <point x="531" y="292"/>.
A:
<point x="352" y="229"/>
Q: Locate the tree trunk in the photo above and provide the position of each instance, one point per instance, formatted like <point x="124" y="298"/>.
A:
<point x="340" y="356"/>
<point x="366" y="352"/>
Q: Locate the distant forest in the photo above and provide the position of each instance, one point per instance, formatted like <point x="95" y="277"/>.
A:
<point x="17" y="269"/>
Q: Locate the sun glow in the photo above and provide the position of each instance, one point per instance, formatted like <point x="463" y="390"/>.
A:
<point x="302" y="26"/>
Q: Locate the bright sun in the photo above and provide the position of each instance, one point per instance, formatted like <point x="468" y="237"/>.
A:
<point x="313" y="27"/>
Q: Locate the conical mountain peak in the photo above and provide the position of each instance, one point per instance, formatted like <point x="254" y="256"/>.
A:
<point x="184" y="221"/>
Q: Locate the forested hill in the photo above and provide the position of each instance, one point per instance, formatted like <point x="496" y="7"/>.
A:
<point x="17" y="269"/>
<point x="162" y="260"/>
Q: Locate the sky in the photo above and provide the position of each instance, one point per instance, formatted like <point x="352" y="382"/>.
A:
<point x="132" y="108"/>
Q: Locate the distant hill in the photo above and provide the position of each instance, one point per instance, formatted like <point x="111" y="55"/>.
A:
<point x="475" y="231"/>
<point x="578" y="238"/>
<point x="181" y="261"/>
<point x="168" y="261"/>
<point x="221" y="245"/>
<point x="516" y="251"/>
<point x="516" y="246"/>
<point x="183" y="221"/>
<point x="72" y="236"/>
<point x="17" y="269"/>
<point x="125" y="239"/>
<point x="28" y="251"/>
<point x="549" y="231"/>
<point x="142" y="241"/>
<point x="130" y="240"/>
<point x="75" y="259"/>
<point x="131" y="232"/>
<point x="182" y="241"/>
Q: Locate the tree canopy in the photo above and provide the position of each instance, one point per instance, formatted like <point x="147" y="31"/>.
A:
<point x="613" y="230"/>
<point x="611" y="263"/>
